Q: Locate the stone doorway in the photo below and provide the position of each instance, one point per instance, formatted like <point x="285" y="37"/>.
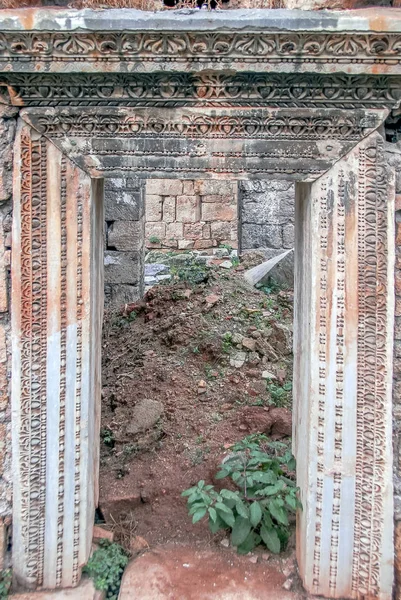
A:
<point x="322" y="132"/>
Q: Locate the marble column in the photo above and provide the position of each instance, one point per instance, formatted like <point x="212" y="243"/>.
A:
<point x="343" y="376"/>
<point x="57" y="303"/>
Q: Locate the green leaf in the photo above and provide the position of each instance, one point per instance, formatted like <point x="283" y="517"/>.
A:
<point x="278" y="512"/>
<point x="240" y="531"/>
<point x="229" y="494"/>
<point x="219" y="524"/>
<point x="221" y="474"/>
<point x="271" y="539"/>
<point x="256" y="513"/>
<point x="222" y="507"/>
<point x="291" y="464"/>
<point x="213" y="514"/>
<point x="242" y="509"/>
<point x="199" y="515"/>
<point x="265" y="477"/>
<point x="189" y="491"/>
<point x="195" y="507"/>
<point x="249" y="544"/>
<point x="291" y="501"/>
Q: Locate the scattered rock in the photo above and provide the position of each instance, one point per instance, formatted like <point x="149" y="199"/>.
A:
<point x="279" y="269"/>
<point x="287" y="585"/>
<point x="238" y="359"/>
<point x="281" y="422"/>
<point x="100" y="533"/>
<point x="225" y="542"/>
<point x="212" y="299"/>
<point x="253" y="559"/>
<point x="253" y="358"/>
<point x="268" y="375"/>
<point x="202" y="387"/>
<point x="220" y="252"/>
<point x="226" y="264"/>
<point x="138" y="544"/>
<point x="144" y="416"/>
<point x="249" y="344"/>
<point x="237" y="339"/>
<point x="155" y="269"/>
<point x="281" y="338"/>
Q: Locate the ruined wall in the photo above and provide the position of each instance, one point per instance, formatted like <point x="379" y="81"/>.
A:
<point x="7" y="136"/>
<point x="267" y="215"/>
<point x="124" y="240"/>
<point x="191" y="214"/>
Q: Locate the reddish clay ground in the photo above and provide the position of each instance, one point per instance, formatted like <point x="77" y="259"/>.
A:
<point x="175" y="351"/>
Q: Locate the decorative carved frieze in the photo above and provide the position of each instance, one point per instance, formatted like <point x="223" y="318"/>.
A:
<point x="210" y="89"/>
<point x="52" y="386"/>
<point x="196" y="47"/>
<point x="240" y="124"/>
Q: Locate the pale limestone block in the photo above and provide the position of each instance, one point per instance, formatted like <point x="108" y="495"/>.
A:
<point x="153" y="207"/>
<point x="164" y="187"/>
<point x="188" y="209"/>
<point x="169" y="209"/>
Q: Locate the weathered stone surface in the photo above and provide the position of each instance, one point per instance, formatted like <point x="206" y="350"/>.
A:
<point x="279" y="269"/>
<point x="119" y="294"/>
<point x="123" y="204"/>
<point x="145" y="415"/>
<point x="121" y="267"/>
<point x="153" y="207"/>
<point x="218" y="212"/>
<point x="188" y="209"/>
<point x="126" y="235"/>
<point x="85" y="591"/>
<point x="265" y="236"/>
<point x="164" y="187"/>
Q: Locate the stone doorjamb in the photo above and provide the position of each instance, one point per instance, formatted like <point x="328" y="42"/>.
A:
<point x="79" y="127"/>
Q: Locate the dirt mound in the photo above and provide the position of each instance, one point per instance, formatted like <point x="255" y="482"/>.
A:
<point x="203" y="364"/>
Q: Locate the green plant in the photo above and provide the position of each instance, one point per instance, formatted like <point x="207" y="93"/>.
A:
<point x="280" y="396"/>
<point x="106" y="567"/>
<point x="5" y="582"/>
<point x="107" y="436"/>
<point x="153" y="239"/>
<point x="258" y="511"/>
<point x="227" y="342"/>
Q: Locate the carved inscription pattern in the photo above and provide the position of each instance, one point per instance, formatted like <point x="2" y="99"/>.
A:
<point x="198" y="47"/>
<point x="33" y="356"/>
<point x="323" y="324"/>
<point x="63" y="369"/>
<point x="339" y="208"/>
<point x="372" y="368"/>
<point x="78" y="393"/>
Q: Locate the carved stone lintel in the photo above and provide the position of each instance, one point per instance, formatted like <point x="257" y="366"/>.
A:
<point x="343" y="377"/>
<point x="55" y="384"/>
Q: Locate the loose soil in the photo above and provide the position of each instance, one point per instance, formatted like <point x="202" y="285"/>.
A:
<point x="178" y="347"/>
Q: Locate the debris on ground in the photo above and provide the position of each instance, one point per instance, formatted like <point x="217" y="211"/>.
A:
<point x="203" y="360"/>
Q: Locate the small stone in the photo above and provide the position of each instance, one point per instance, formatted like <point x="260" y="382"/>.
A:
<point x="256" y="334"/>
<point x="220" y="252"/>
<point x="100" y="533"/>
<point x="202" y="387"/>
<point x="287" y="585"/>
<point x="265" y="556"/>
<point x="268" y="375"/>
<point x="212" y="299"/>
<point x="225" y="543"/>
<point x="281" y="374"/>
<point x="238" y="359"/>
<point x="249" y="344"/>
<point x="253" y="559"/>
<point x="138" y="544"/>
<point x="253" y="358"/>
<point x="226" y="264"/>
<point x="237" y="339"/>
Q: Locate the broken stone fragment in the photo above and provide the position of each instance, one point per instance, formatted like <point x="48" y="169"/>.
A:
<point x="226" y="264"/>
<point x="237" y="339"/>
<point x="238" y="359"/>
<point x="144" y="416"/>
<point x="202" y="387"/>
<point x="249" y="344"/>
<point x="268" y="375"/>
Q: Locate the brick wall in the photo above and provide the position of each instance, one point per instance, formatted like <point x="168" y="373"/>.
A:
<point x="267" y="215"/>
<point x="191" y="214"/>
<point x="124" y="240"/>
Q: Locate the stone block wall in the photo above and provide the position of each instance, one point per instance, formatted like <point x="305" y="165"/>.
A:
<point x="267" y="215"/>
<point x="124" y="240"/>
<point x="198" y="215"/>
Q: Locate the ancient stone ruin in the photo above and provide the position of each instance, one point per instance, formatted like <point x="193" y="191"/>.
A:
<point x="185" y="96"/>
